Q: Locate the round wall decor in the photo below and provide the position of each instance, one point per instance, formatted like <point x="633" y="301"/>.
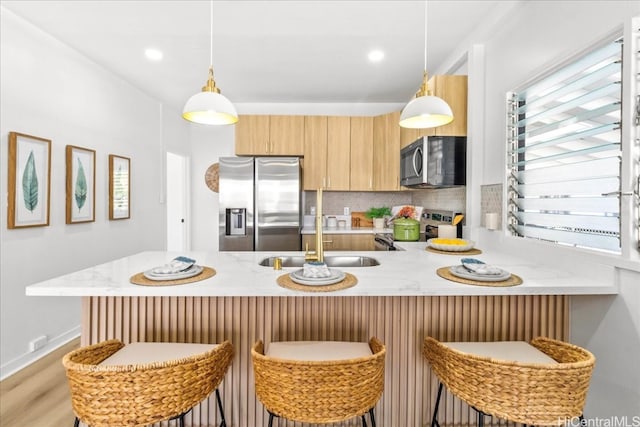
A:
<point x="211" y="177"/>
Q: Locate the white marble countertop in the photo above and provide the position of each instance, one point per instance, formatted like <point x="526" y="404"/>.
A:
<point x="411" y="272"/>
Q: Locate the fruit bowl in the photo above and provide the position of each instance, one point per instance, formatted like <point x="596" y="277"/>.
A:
<point x="451" y="245"/>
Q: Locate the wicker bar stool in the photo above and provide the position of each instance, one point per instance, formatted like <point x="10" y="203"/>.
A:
<point x="319" y="381"/>
<point x="143" y="383"/>
<point x="542" y="383"/>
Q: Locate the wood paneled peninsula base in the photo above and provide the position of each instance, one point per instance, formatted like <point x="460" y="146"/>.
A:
<point x="401" y="322"/>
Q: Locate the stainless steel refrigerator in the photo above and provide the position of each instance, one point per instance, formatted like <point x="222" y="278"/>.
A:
<point x="260" y="204"/>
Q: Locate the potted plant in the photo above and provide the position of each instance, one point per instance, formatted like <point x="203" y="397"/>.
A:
<point x="378" y="214"/>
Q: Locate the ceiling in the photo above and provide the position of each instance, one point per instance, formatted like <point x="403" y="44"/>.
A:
<point x="264" y="51"/>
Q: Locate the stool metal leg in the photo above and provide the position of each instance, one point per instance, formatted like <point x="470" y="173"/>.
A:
<point x="373" y="418"/>
<point x="434" y="419"/>
<point x="76" y="423"/>
<point x="271" y="415"/>
<point x="364" y="421"/>
<point x="223" y="423"/>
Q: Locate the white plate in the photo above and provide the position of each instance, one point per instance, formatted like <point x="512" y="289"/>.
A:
<point x="469" y="244"/>
<point x="460" y="271"/>
<point x="193" y="271"/>
<point x="336" y="276"/>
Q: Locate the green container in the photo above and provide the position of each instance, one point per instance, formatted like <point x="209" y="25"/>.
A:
<point x="406" y="229"/>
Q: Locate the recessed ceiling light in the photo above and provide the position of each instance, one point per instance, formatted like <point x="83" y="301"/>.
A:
<point x="153" y="54"/>
<point x="376" y="55"/>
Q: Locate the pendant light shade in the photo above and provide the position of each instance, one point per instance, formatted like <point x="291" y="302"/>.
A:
<point x="210" y="107"/>
<point x="425" y="110"/>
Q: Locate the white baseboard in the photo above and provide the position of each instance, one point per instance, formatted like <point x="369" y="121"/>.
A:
<point x="26" y="359"/>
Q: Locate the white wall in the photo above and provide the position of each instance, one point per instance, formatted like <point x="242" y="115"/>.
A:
<point x="536" y="35"/>
<point x="51" y="91"/>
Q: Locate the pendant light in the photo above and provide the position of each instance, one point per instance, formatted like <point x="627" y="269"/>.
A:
<point x="209" y="107"/>
<point x="425" y="110"/>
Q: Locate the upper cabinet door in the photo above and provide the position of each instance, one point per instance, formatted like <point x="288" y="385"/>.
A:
<point x="338" y="153"/>
<point x="452" y="89"/>
<point x="252" y="135"/>
<point x="260" y="135"/>
<point x="386" y="152"/>
<point x="286" y="135"/>
<point x="361" y="154"/>
<point x="315" y="152"/>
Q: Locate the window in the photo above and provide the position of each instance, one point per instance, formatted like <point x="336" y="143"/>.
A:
<point x="565" y="151"/>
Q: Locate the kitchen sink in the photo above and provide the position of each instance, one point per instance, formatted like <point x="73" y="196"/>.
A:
<point x="331" y="261"/>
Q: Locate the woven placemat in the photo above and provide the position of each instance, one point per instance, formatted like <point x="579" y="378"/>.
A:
<point x="446" y="274"/>
<point x="473" y="251"/>
<point x="348" y="281"/>
<point x="139" y="279"/>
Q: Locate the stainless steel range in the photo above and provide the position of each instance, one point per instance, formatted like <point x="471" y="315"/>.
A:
<point x="432" y="218"/>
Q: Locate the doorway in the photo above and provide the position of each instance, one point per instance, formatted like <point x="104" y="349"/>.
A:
<point x="177" y="203"/>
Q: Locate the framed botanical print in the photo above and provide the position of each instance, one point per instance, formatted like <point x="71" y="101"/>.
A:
<point x="29" y="181"/>
<point x="81" y="184"/>
<point x="119" y="187"/>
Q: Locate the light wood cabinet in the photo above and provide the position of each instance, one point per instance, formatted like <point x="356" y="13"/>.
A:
<point x="361" y="154"/>
<point x="386" y="152"/>
<point x="327" y="151"/>
<point x="315" y="152"/>
<point x="338" y="153"/>
<point x="262" y="135"/>
<point x="341" y="242"/>
<point x="453" y="89"/>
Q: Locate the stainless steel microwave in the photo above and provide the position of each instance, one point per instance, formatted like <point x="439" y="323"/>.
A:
<point x="434" y="162"/>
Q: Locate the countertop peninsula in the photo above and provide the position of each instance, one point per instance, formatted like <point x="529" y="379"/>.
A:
<point x="411" y="272"/>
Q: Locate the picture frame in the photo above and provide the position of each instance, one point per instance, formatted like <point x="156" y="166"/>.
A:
<point x="119" y="187"/>
<point x="29" y="181"/>
<point x="80" y="184"/>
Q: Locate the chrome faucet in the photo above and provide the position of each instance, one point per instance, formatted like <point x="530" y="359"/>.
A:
<point x="318" y="254"/>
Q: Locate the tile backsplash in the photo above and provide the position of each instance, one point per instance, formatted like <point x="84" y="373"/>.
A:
<point x="449" y="199"/>
<point x="334" y="202"/>
<point x="490" y="202"/>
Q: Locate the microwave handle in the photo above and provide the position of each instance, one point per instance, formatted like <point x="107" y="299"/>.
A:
<point x="415" y="165"/>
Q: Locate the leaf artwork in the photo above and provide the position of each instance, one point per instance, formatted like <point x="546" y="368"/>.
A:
<point x="30" y="183"/>
<point x="81" y="187"/>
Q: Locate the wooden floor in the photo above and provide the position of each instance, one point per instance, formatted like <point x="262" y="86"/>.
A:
<point x="38" y="396"/>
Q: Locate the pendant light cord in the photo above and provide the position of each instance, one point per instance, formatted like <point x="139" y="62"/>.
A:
<point x="425" y="35"/>
<point x="211" y="34"/>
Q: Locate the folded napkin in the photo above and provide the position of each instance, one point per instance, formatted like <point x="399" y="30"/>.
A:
<point x="176" y="265"/>
<point x="479" y="267"/>
<point x="485" y="269"/>
<point x="315" y="270"/>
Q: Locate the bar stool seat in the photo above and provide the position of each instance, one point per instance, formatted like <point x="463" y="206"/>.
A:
<point x="544" y="382"/>
<point x="138" y="384"/>
<point x="319" y="381"/>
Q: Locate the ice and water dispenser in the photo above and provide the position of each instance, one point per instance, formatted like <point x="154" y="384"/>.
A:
<point x="236" y="222"/>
